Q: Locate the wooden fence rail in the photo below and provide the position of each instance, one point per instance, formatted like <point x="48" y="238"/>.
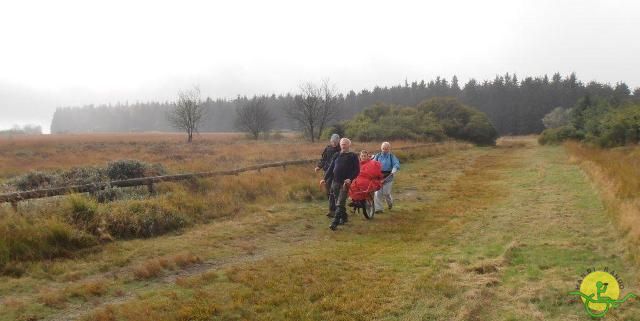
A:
<point x="16" y="197"/>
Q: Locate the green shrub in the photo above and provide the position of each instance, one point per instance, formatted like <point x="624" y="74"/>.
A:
<point x="460" y="121"/>
<point x="83" y="175"/>
<point x="433" y="119"/>
<point x="386" y="122"/>
<point x="552" y="136"/>
<point x="125" y="169"/>
<point x="35" y="180"/>
<point x="619" y="127"/>
<point x="600" y="121"/>
<point x="479" y="130"/>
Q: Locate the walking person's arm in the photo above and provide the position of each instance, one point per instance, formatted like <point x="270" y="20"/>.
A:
<point x="329" y="172"/>
<point x="395" y="164"/>
<point x="322" y="161"/>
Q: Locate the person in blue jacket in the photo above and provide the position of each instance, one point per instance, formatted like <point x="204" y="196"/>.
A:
<point x="390" y="165"/>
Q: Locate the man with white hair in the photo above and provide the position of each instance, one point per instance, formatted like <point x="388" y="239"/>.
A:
<point x="344" y="167"/>
<point x="390" y="165"/>
<point x="324" y="163"/>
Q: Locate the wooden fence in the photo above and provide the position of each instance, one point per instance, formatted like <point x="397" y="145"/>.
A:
<point x="16" y="197"/>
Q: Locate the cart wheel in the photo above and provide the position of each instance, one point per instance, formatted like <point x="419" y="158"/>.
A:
<point x="368" y="210"/>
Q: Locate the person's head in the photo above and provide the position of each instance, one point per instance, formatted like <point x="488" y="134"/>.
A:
<point x="364" y="155"/>
<point x="345" y="144"/>
<point x="385" y="147"/>
<point x="334" y="140"/>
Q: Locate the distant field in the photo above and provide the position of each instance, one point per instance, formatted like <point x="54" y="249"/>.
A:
<point x="491" y="233"/>
<point x="209" y="151"/>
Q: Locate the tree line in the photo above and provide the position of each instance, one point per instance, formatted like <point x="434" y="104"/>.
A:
<point x="513" y="106"/>
<point x="28" y="129"/>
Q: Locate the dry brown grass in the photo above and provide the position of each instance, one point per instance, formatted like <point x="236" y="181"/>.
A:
<point x="53" y="298"/>
<point x="88" y="289"/>
<point x="195" y="281"/>
<point x="620" y="165"/>
<point x="103" y="314"/>
<point x="155" y="267"/>
<point x="209" y="151"/>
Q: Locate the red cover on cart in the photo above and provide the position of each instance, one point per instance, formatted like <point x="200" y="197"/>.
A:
<point x="369" y="180"/>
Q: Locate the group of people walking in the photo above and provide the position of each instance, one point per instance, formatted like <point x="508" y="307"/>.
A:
<point x="343" y="170"/>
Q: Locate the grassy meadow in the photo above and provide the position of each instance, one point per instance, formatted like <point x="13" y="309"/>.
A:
<point x="477" y="233"/>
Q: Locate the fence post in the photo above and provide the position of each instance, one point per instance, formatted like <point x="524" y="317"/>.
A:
<point x="14" y="205"/>
<point x="150" y="187"/>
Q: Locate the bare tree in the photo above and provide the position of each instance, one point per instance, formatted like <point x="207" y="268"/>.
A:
<point x="188" y="113"/>
<point x="314" y="108"/>
<point x="254" y="117"/>
<point x="329" y="105"/>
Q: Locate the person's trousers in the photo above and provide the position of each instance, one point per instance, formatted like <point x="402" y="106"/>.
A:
<point x="330" y="195"/>
<point x="384" y="192"/>
<point x="341" y="192"/>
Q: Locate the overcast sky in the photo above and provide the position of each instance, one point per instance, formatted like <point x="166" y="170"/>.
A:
<point x="58" y="53"/>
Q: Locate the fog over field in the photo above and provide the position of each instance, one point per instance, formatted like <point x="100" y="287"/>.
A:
<point x="70" y="53"/>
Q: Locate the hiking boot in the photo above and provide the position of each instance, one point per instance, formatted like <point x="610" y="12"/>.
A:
<point x="336" y="220"/>
<point x="378" y="211"/>
<point x="344" y="219"/>
<point x="390" y="206"/>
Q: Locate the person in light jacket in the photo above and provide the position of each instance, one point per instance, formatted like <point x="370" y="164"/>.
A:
<point x="390" y="165"/>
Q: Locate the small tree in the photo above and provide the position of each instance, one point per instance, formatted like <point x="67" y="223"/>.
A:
<point x="314" y="108"/>
<point x="558" y="117"/>
<point x="188" y="113"/>
<point x="254" y="117"/>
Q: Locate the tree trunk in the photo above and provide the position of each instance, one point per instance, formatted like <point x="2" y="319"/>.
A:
<point x="320" y="131"/>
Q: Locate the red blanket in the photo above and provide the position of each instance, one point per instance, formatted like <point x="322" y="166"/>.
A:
<point x="369" y="180"/>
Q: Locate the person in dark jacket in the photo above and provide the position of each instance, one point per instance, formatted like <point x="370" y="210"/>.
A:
<point x="344" y="168"/>
<point x="324" y="163"/>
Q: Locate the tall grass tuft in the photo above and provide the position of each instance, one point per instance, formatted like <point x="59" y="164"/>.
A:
<point x="27" y="239"/>
<point x="142" y="218"/>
